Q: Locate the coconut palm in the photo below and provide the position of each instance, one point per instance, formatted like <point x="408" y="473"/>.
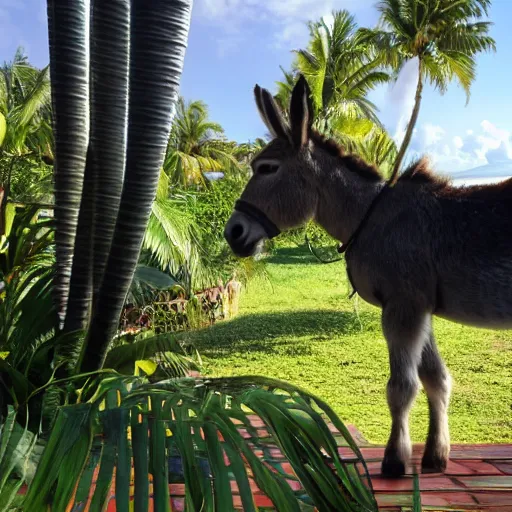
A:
<point x="341" y="70"/>
<point x="442" y="35"/>
<point x="196" y="146"/>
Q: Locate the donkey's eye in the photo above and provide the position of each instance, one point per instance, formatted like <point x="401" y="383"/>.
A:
<point x="266" y="167"/>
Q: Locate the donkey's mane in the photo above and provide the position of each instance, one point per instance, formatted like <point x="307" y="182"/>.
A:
<point x="419" y="173"/>
<point x="351" y="162"/>
<point x="422" y="174"/>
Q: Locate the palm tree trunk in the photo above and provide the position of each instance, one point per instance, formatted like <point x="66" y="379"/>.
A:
<point x="67" y="26"/>
<point x="159" y="33"/>
<point x="410" y="128"/>
<point x="110" y="55"/>
<point x="81" y="282"/>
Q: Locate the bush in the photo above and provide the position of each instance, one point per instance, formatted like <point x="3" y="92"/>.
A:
<point x="211" y="209"/>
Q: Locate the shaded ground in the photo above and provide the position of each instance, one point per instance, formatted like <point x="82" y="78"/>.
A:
<point x="300" y="326"/>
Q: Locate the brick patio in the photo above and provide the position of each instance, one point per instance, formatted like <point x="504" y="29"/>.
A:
<point x="478" y="478"/>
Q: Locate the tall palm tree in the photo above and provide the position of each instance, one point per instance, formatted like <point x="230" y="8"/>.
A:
<point x="196" y="145"/>
<point x="133" y="114"/>
<point x="341" y="70"/>
<point x="443" y="35"/>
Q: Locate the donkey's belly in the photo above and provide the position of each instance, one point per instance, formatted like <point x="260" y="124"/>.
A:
<point x="481" y="304"/>
<point x="486" y="322"/>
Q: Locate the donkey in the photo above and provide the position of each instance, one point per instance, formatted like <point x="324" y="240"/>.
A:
<point x="417" y="249"/>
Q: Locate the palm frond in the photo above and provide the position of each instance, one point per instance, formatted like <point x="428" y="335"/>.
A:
<point x="211" y="422"/>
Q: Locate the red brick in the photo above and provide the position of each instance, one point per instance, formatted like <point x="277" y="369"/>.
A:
<point x="480" y="467"/>
<point x="497" y="498"/>
<point x="294" y="484"/>
<point x="503" y="466"/>
<point x="487" y="482"/>
<point x="276" y="453"/>
<point x="481" y="451"/>
<point x="394" y="485"/>
<point x="446" y="499"/>
<point x="373" y="454"/>
<point x="177" y="489"/>
<point x="438" y="483"/>
<point x="260" y="501"/>
<point x="458" y="468"/>
<point x="178" y="504"/>
<point x="287" y="468"/>
<point x="254" y="488"/>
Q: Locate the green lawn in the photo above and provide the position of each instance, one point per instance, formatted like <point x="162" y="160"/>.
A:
<point x="301" y="327"/>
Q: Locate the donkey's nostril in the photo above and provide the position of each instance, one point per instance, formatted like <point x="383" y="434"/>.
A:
<point x="237" y="231"/>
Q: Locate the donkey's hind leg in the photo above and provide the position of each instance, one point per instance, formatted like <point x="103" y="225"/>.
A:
<point x="437" y="384"/>
<point x="406" y="328"/>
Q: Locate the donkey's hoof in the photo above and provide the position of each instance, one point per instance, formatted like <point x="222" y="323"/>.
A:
<point x="432" y="463"/>
<point x="392" y="466"/>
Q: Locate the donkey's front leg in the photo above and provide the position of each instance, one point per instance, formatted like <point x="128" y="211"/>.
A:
<point x="406" y="328"/>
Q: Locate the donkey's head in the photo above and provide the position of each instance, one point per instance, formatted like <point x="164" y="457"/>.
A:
<point x="280" y="194"/>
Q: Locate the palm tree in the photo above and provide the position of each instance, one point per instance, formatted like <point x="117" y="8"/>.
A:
<point x="196" y="146"/>
<point x="341" y="70"/>
<point x="25" y="133"/>
<point x="444" y="36"/>
<point x="131" y="115"/>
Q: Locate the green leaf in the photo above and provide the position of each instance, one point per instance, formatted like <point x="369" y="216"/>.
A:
<point x="147" y="366"/>
<point x="154" y="278"/>
<point x="63" y="459"/>
<point x="3" y="128"/>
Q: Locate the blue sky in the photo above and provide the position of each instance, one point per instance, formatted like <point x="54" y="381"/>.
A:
<point x="237" y="43"/>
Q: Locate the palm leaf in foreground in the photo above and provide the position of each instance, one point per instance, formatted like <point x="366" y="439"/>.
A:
<point x="204" y="434"/>
<point x="16" y="447"/>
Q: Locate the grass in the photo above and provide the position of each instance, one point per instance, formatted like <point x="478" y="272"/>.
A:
<point x="300" y="326"/>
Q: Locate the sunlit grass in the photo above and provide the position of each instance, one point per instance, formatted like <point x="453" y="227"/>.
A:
<point x="302" y="327"/>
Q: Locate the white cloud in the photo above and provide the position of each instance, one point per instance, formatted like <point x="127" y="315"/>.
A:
<point x="286" y="20"/>
<point x="458" y="142"/>
<point x="489" y="144"/>
<point x="400" y="100"/>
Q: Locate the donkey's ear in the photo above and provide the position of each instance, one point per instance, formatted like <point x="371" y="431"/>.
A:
<point x="270" y="114"/>
<point x="301" y="113"/>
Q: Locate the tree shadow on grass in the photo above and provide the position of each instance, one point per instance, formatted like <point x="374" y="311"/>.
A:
<point x="269" y="332"/>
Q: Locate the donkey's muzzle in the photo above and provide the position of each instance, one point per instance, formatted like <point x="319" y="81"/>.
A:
<point x="244" y="234"/>
<point x="257" y="215"/>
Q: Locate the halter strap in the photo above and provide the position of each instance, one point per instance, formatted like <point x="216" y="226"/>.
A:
<point x="256" y="214"/>
<point x="344" y="247"/>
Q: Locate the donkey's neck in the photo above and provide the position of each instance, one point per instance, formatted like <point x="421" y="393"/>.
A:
<point x="344" y="199"/>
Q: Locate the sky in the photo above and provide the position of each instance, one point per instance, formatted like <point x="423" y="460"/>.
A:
<point x="235" y="44"/>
